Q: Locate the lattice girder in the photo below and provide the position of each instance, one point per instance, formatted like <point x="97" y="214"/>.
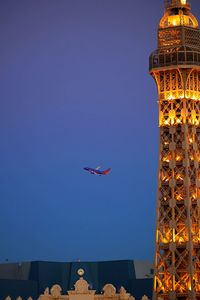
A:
<point x="175" y="67"/>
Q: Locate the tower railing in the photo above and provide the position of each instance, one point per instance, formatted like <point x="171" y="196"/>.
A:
<point x="182" y="57"/>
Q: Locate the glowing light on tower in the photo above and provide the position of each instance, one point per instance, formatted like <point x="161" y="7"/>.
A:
<point x="175" y="67"/>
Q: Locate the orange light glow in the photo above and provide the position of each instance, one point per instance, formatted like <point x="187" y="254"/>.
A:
<point x="179" y="177"/>
<point x="190" y="140"/>
<point x="181" y="240"/>
<point x="165" y="178"/>
<point x="178" y="158"/>
<point x="194" y="196"/>
<point x="179" y="197"/>
<point x="174" y="235"/>
<point x="166" y="122"/>
<point x="166" y="159"/>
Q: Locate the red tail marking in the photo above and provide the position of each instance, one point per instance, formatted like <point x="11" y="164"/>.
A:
<point x="106" y="171"/>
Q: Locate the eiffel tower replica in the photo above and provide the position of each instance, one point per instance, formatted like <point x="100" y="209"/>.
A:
<point x="175" y="67"/>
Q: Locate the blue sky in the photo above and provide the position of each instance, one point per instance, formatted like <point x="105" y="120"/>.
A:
<point x="75" y="91"/>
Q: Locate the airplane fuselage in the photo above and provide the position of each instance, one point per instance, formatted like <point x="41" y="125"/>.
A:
<point x="97" y="171"/>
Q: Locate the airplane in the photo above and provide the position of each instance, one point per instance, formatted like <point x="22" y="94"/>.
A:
<point x="97" y="171"/>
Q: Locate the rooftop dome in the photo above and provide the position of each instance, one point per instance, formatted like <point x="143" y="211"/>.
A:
<point x="178" y="13"/>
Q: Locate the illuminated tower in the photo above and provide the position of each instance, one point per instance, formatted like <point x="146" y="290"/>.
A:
<point x="175" y="66"/>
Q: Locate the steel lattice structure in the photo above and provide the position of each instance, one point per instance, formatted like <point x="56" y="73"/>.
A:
<point x="175" y="66"/>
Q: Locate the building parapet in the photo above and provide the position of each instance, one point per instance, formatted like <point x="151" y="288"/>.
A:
<point x="82" y="292"/>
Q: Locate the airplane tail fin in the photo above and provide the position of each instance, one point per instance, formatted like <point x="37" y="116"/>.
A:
<point x="106" y="171"/>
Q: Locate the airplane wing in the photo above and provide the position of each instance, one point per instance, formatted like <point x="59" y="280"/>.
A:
<point x="97" y="168"/>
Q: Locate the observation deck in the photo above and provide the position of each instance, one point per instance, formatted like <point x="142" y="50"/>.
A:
<point x="178" y="38"/>
<point x="177" y="46"/>
<point x="182" y="56"/>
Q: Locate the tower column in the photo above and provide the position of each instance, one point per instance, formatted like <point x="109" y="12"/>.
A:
<point x="175" y="67"/>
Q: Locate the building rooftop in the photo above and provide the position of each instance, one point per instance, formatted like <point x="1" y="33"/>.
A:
<point x="32" y="278"/>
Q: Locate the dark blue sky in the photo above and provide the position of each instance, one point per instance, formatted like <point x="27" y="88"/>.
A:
<point x="75" y="91"/>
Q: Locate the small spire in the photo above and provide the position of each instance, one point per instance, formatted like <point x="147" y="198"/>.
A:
<point x="176" y="4"/>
